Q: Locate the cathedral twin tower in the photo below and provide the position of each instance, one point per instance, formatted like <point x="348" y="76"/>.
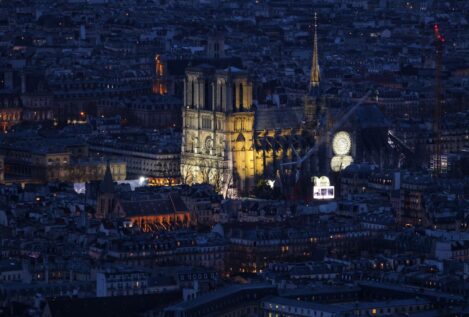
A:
<point x="226" y="90"/>
<point x="217" y="127"/>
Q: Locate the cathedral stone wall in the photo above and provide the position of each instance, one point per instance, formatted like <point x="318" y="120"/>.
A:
<point x="226" y="142"/>
<point x="217" y="109"/>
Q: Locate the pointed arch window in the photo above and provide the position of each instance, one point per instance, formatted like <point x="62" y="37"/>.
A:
<point x="220" y="101"/>
<point x="233" y="94"/>
<point x="192" y="92"/>
<point x="241" y="105"/>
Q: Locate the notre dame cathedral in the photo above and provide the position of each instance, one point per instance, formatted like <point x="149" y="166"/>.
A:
<point x="231" y="144"/>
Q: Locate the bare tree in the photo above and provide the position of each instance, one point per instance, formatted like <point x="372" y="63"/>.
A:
<point x="187" y="174"/>
<point x="205" y="171"/>
<point x="212" y="172"/>
<point x="218" y="176"/>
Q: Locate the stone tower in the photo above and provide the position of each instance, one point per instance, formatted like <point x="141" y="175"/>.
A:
<point x="215" y="45"/>
<point x="106" y="195"/>
<point x="312" y="98"/>
<point x="217" y="128"/>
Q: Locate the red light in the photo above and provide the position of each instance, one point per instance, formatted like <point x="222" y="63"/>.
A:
<point x="438" y="36"/>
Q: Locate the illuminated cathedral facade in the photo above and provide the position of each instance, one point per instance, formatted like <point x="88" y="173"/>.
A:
<point x="232" y="144"/>
<point x="218" y="124"/>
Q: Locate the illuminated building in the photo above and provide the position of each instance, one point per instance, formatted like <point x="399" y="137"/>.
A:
<point x="154" y="156"/>
<point x="176" y="70"/>
<point x="412" y="210"/>
<point x="255" y="245"/>
<point x="362" y="138"/>
<point x="341" y="146"/>
<point x="313" y="103"/>
<point x="279" y="306"/>
<point x="149" y="213"/>
<point x="163" y="181"/>
<point x="229" y="143"/>
<point x="385" y="182"/>
<point x="322" y="188"/>
<point x="122" y="280"/>
<point x="217" y="104"/>
<point x="10" y="111"/>
<point x="156" y="214"/>
<point x="418" y="138"/>
<point x="37" y="98"/>
<point x="54" y="160"/>
<point x="159" y="85"/>
<point x="174" y="247"/>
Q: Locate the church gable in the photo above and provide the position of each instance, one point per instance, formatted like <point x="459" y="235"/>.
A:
<point x="240" y="138"/>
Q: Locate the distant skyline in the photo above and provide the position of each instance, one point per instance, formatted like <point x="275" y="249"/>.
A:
<point x="256" y="158"/>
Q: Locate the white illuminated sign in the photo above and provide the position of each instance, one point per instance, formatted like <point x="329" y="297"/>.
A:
<point x="323" y="192"/>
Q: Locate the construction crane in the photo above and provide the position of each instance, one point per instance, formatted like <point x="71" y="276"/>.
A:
<point x="400" y="146"/>
<point x="438" y="111"/>
<point x="323" y="137"/>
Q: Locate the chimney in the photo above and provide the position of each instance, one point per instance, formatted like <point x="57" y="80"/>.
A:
<point x="23" y="83"/>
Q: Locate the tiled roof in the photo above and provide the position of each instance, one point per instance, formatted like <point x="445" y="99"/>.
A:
<point x="279" y="118"/>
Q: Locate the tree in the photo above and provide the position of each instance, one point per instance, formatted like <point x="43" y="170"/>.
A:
<point x="187" y="174"/>
<point x="218" y="176"/>
<point x="205" y="171"/>
<point x="212" y="172"/>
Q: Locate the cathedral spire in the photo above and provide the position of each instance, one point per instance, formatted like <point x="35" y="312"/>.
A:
<point x="315" y="74"/>
<point x="107" y="184"/>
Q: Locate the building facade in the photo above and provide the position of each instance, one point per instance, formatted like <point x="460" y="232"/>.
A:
<point x="23" y="162"/>
<point x="121" y="281"/>
<point x="158" y="160"/>
<point x="10" y="111"/>
<point x="217" y="127"/>
<point x="232" y="144"/>
<point x="229" y="143"/>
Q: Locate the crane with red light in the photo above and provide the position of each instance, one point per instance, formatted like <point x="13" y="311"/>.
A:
<point x="438" y="111"/>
